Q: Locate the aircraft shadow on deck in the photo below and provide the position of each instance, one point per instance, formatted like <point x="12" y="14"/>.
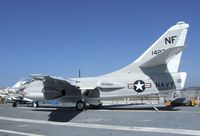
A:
<point x="61" y="114"/>
<point x="142" y="109"/>
<point x="135" y="107"/>
<point x="108" y="107"/>
<point x="66" y="114"/>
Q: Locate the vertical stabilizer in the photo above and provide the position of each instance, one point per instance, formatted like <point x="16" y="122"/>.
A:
<point x="163" y="55"/>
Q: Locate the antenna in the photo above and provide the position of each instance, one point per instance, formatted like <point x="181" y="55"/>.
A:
<point x="79" y="73"/>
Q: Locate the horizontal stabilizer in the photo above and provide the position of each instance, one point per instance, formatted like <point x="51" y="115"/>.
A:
<point x="163" y="58"/>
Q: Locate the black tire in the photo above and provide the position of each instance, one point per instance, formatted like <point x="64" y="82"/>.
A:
<point x="80" y="105"/>
<point x="14" y="104"/>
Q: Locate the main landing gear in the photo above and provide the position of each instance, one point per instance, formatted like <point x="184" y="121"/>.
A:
<point x="80" y="105"/>
<point x="14" y="104"/>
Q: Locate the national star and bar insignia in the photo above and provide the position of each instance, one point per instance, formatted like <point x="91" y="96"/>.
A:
<point x="139" y="86"/>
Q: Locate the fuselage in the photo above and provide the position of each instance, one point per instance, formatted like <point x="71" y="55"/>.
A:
<point x="133" y="84"/>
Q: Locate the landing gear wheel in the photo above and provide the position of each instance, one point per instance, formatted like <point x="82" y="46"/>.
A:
<point x="35" y="104"/>
<point x="14" y="104"/>
<point x="80" y="105"/>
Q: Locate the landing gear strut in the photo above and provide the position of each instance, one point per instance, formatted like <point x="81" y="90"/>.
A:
<point x="80" y="105"/>
<point x="14" y="104"/>
<point x="35" y="104"/>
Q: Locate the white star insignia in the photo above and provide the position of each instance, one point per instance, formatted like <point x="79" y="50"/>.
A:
<point x="139" y="86"/>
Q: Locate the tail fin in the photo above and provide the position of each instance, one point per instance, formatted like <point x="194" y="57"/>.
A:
<point x="168" y="49"/>
<point x="164" y="55"/>
<point x="20" y="83"/>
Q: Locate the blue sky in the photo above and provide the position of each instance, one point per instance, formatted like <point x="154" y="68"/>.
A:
<point x="57" y="37"/>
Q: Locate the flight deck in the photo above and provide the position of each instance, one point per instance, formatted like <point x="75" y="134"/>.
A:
<point x="114" y="120"/>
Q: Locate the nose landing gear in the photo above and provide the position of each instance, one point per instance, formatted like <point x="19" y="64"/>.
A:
<point x="35" y="104"/>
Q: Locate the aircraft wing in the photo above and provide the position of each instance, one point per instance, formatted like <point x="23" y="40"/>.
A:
<point x="59" y="88"/>
<point x="46" y="77"/>
<point x="17" y="98"/>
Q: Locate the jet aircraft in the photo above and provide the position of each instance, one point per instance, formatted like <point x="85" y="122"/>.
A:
<point x="154" y="72"/>
<point x="22" y="92"/>
<point x="14" y="89"/>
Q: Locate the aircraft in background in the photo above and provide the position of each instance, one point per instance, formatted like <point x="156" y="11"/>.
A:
<point x="34" y="92"/>
<point x="14" y="89"/>
<point x="19" y="93"/>
<point x="154" y="72"/>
